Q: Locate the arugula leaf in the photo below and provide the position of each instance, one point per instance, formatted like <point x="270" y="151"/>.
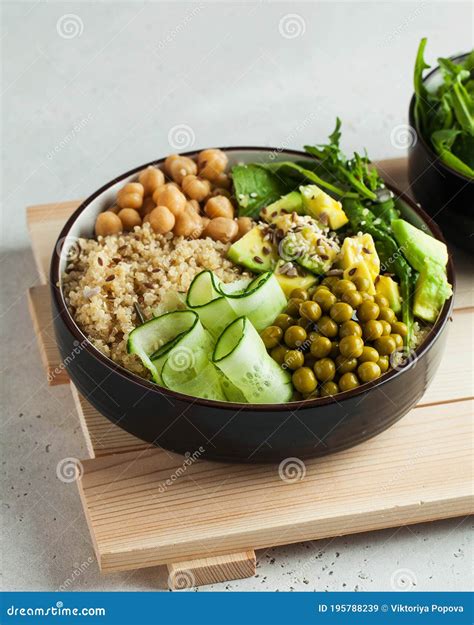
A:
<point x="354" y="174"/>
<point x="443" y="142"/>
<point x="421" y="93"/>
<point x="288" y="168"/>
<point x="255" y="187"/>
<point x="445" y="116"/>
<point x="363" y="219"/>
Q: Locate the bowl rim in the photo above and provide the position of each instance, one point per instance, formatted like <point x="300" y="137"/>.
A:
<point x="148" y="386"/>
<point x="427" y="144"/>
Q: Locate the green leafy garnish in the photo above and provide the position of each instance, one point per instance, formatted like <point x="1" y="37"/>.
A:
<point x="445" y="116"/>
<point x="256" y="187"/>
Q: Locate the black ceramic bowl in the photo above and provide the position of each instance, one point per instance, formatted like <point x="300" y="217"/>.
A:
<point x="227" y="431"/>
<point x="444" y="193"/>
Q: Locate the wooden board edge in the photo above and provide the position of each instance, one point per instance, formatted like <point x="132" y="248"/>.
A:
<point x="204" y="571"/>
<point x="397" y="516"/>
<point x="82" y="420"/>
<point x="56" y="373"/>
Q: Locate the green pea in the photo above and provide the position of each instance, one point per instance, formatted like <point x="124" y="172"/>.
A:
<point x="294" y="359"/>
<point x="271" y="336"/>
<point x="368" y="371"/>
<point x="304" y="380"/>
<point x="325" y="369"/>
<point x="348" y="381"/>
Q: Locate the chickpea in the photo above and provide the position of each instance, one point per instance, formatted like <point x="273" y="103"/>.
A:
<point x="170" y="196"/>
<point x="129" y="199"/>
<point x="107" y="223"/>
<point x="219" y="206"/>
<point x="129" y="218"/>
<point x="223" y="181"/>
<point x="205" y="221"/>
<point x="182" y="167"/>
<point x="212" y="163"/>
<point x="221" y="229"/>
<point x="133" y="187"/>
<point x="147" y="206"/>
<point x="196" y="188"/>
<point x="244" y="225"/>
<point x="162" y="220"/>
<point x="151" y="178"/>
<point x="188" y="224"/>
<point x="168" y="162"/>
<point x="193" y="205"/>
<point x="220" y="191"/>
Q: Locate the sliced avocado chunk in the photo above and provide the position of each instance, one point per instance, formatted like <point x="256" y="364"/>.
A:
<point x="253" y="252"/>
<point x="290" y="203"/>
<point x="432" y="289"/>
<point x="303" y="279"/>
<point x="387" y="287"/>
<point x="429" y="257"/>
<point x="318" y="203"/>
<point x="417" y="246"/>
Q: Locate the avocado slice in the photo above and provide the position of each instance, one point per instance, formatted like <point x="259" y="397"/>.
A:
<point x="253" y="252"/>
<point x="432" y="289"/>
<point x="387" y="287"/>
<point x="417" y="246"/>
<point x="290" y="203"/>
<point x="318" y="203"/>
<point x="303" y="279"/>
<point x="429" y="257"/>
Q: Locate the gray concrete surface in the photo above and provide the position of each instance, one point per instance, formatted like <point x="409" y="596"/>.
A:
<point x="91" y="89"/>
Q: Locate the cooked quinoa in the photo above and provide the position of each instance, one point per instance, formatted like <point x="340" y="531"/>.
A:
<point x="107" y="276"/>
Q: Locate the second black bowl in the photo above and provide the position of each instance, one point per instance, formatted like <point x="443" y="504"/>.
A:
<point x="445" y="194"/>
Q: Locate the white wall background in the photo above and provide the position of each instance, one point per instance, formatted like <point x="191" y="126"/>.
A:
<point x="89" y="96"/>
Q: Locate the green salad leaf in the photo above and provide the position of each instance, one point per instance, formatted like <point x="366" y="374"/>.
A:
<point x="256" y="186"/>
<point x="445" y="116"/>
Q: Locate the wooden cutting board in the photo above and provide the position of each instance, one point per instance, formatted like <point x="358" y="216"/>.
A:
<point x="146" y="506"/>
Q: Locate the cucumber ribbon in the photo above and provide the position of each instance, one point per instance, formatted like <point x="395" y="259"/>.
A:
<point x="213" y="349"/>
<point x="217" y="303"/>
